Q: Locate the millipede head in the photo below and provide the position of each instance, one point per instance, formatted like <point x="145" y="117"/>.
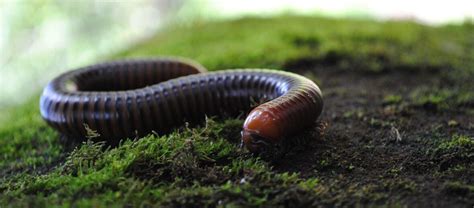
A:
<point x="260" y="130"/>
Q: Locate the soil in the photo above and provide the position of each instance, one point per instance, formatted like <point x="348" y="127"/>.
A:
<point x="374" y="151"/>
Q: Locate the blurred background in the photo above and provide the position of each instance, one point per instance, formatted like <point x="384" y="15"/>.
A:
<point x="41" y="38"/>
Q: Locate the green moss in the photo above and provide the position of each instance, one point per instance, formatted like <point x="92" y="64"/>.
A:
<point x="392" y="99"/>
<point x="458" y="142"/>
<point x="443" y="99"/>
<point x="26" y="142"/>
<point x="175" y="169"/>
<point x="353" y="45"/>
<point x="454" y="154"/>
<point x="456" y="187"/>
<point x="436" y="98"/>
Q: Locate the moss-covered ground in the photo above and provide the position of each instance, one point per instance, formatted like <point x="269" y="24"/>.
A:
<point x="397" y="128"/>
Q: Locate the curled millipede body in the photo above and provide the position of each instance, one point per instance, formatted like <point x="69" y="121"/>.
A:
<point x="124" y="99"/>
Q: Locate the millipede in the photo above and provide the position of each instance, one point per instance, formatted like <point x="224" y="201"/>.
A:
<point x="129" y="98"/>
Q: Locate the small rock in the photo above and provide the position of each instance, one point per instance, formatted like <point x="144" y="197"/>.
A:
<point x="453" y="123"/>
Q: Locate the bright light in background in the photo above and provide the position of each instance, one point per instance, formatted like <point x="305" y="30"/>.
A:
<point x="430" y="12"/>
<point x="41" y="38"/>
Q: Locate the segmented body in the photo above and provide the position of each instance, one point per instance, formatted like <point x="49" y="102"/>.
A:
<point x="125" y="99"/>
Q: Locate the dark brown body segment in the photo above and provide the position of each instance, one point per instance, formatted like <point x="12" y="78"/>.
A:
<point x="124" y="99"/>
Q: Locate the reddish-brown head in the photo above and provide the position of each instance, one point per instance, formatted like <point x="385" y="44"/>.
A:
<point x="260" y="129"/>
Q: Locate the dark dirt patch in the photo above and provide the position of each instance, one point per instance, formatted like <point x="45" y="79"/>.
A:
<point x="377" y="149"/>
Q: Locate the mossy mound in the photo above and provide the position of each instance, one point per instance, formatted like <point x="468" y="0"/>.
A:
<point x="398" y="117"/>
